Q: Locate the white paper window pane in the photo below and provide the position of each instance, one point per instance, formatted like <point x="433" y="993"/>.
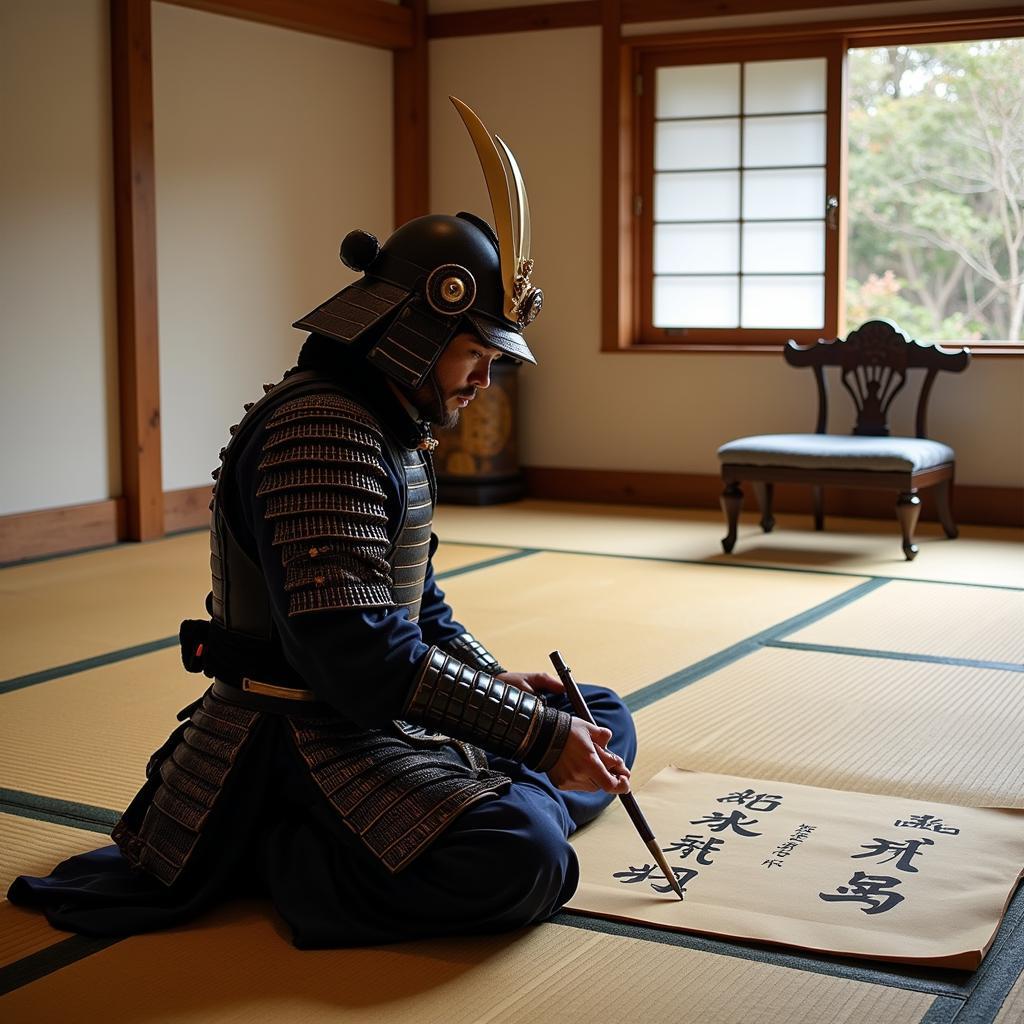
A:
<point x="703" y="90"/>
<point x="797" y="247"/>
<point x="696" y="301"/>
<point x="696" y="248"/>
<point x="786" y="141"/>
<point x="787" y="302"/>
<point x="784" y="86"/>
<point x="699" y="195"/>
<point x="799" y="192"/>
<point x="692" y="145"/>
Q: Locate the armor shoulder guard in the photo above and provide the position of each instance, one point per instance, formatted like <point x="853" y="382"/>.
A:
<point x="321" y="477"/>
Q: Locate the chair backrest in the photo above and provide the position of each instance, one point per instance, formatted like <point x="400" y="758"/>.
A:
<point x="874" y="360"/>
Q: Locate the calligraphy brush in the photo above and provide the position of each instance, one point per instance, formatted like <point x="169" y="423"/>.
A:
<point x="579" y="706"/>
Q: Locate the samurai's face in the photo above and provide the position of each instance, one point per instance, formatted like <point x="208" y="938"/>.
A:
<point x="461" y="370"/>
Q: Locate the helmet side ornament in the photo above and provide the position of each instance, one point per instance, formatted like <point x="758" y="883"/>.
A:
<point x="511" y="209"/>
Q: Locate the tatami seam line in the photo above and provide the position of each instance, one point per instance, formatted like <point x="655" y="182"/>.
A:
<point x="111" y="657"/>
<point x="699" y="670"/>
<point x="739" y="565"/>
<point x="865" y="652"/>
<point x="572" y="551"/>
<point x="848" y="969"/>
<point x="49" y="960"/>
<point x="57" y="811"/>
<point x="85" y="664"/>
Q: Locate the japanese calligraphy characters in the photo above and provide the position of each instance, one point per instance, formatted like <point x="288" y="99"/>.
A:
<point x="844" y="873"/>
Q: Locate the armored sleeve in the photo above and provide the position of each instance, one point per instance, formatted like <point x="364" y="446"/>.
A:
<point x="323" y="483"/>
<point x="472" y="705"/>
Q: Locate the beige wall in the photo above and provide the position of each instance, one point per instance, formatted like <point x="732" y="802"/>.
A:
<point x="58" y="385"/>
<point x="270" y="146"/>
<point x="661" y="412"/>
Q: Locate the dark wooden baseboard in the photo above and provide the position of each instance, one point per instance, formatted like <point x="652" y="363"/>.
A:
<point x="989" y="506"/>
<point x="54" y="531"/>
<point x="188" y="508"/>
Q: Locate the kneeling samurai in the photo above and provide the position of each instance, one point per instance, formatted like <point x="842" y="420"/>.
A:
<point x="360" y="758"/>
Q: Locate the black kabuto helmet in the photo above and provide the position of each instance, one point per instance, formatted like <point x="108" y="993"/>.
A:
<point x="437" y="275"/>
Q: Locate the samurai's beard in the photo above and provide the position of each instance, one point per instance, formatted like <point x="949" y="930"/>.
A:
<point x="428" y="399"/>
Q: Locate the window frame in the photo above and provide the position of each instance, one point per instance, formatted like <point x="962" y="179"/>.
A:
<point x="628" y="250"/>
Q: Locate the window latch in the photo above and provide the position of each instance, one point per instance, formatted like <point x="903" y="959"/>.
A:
<point x="831" y="210"/>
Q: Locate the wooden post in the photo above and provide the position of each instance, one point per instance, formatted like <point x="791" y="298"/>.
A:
<point x="412" y="121"/>
<point x="135" y="231"/>
<point x="617" y="215"/>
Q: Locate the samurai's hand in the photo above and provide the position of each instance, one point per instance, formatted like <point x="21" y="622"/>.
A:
<point x="533" y="682"/>
<point x="586" y="764"/>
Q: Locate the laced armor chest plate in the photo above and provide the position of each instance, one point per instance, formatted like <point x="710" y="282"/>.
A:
<point x="322" y="479"/>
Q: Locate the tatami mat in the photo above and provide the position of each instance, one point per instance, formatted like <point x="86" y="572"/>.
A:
<point x="638" y="622"/>
<point x="22" y="933"/>
<point x="860" y="546"/>
<point x="87" y="737"/>
<point x="929" y="732"/>
<point x="625" y="623"/>
<point x="31" y="847"/>
<point x="1012" y="1010"/>
<point x="235" y="967"/>
<point x="922" y="618"/>
<point x="67" y="609"/>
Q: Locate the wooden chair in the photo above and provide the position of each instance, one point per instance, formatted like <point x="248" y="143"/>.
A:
<point x="874" y="361"/>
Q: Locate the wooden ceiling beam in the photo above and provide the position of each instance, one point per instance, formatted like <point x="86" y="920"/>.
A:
<point x="370" y="22"/>
<point x="532" y="18"/>
<point x="577" y="13"/>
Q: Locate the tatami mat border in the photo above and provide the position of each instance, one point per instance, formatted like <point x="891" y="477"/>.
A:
<point x="60" y="812"/>
<point x="936" y="983"/>
<point x="97" y="661"/>
<point x="692" y="673"/>
<point x="61" y="954"/>
<point x="488" y="562"/>
<point x="865" y="652"/>
<point x="740" y="565"/>
<point x="579" y="551"/>
<point x="74" y="667"/>
<point x="986" y="988"/>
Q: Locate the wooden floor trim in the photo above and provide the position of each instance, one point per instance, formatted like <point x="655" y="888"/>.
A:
<point x="54" y="531"/>
<point x="988" y="506"/>
<point x="187" y="509"/>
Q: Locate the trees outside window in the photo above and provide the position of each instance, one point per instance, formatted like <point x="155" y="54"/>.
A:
<point x="936" y="189"/>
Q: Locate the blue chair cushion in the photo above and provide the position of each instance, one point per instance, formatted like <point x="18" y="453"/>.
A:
<point x="836" y="451"/>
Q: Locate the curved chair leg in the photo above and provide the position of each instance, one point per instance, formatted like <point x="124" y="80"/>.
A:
<point x="731" y="501"/>
<point x="942" y="496"/>
<point x="908" y="508"/>
<point x="765" y="492"/>
<point x="819" y="507"/>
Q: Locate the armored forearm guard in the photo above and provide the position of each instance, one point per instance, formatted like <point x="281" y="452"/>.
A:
<point x="472" y="705"/>
<point x="471" y="652"/>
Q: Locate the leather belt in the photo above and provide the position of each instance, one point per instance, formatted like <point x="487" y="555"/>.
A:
<point x="271" y="690"/>
<point x="269" y="697"/>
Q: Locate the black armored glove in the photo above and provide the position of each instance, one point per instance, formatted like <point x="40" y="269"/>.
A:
<point x="472" y="705"/>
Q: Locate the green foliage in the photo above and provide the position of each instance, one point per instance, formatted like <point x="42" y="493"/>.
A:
<point x="936" y="188"/>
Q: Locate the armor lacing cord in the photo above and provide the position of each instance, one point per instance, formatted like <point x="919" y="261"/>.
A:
<point x="472" y="705"/>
